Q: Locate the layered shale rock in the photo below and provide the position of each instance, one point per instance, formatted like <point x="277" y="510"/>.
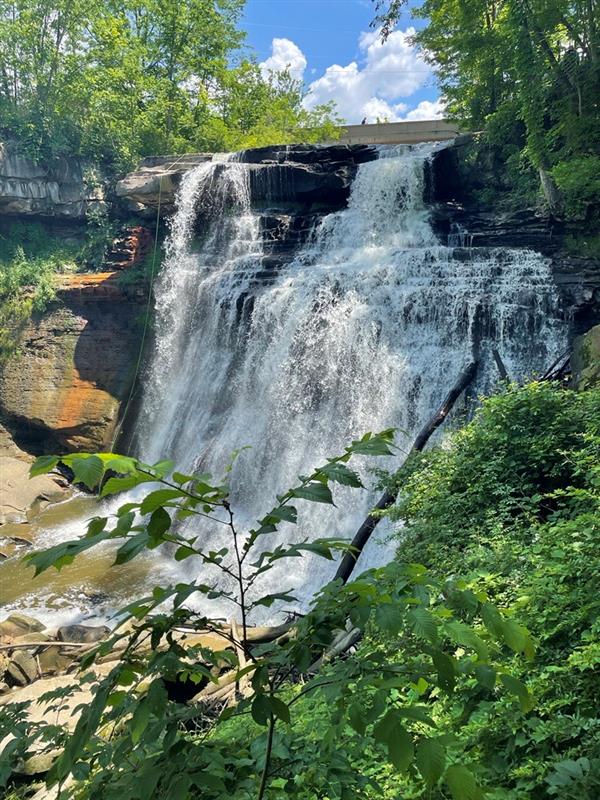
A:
<point x="302" y="174"/>
<point x="74" y="367"/>
<point x="63" y="190"/>
<point x="456" y="177"/>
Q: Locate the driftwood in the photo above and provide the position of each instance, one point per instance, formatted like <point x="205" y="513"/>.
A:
<point x="389" y="497"/>
<point x="50" y="643"/>
<point x="500" y="364"/>
<point x="559" y="369"/>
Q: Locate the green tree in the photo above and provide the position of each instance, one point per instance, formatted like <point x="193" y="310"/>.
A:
<point x="530" y="63"/>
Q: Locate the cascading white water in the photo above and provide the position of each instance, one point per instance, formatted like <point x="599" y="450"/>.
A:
<point x="366" y="329"/>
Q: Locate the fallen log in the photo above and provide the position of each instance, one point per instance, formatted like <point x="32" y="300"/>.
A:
<point x="363" y="534"/>
<point x="500" y="365"/>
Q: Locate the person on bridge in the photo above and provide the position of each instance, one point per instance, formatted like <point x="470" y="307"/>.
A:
<point x="364" y="121"/>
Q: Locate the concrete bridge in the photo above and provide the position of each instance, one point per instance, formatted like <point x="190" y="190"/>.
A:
<point x="409" y="132"/>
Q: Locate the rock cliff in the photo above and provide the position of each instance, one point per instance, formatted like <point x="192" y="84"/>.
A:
<point x="461" y="217"/>
<point x="64" y="189"/>
<point x="63" y="389"/>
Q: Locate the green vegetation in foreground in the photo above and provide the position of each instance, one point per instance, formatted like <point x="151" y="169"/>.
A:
<point x="477" y="673"/>
<point x="527" y="72"/>
<point x="111" y="82"/>
<point x="513" y="506"/>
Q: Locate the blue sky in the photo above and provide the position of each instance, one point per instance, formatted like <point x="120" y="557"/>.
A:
<point x="331" y="46"/>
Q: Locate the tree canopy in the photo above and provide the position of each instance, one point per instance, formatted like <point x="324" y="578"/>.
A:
<point x="528" y="73"/>
<point x="125" y="78"/>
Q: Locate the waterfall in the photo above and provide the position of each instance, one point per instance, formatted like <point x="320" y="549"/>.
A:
<point x="366" y="328"/>
<point x="294" y="331"/>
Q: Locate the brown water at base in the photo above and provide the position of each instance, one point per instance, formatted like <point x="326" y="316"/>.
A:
<point x="88" y="587"/>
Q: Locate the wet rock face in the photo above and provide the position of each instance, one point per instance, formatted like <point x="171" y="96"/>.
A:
<point x="459" y="218"/>
<point x="63" y="389"/>
<point x="58" y="191"/>
<point x="305" y="175"/>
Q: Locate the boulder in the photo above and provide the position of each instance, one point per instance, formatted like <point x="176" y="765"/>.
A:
<point x="156" y="182"/>
<point x="20" y="494"/>
<point x="22" y="669"/>
<point x="17" y="625"/>
<point x="82" y="634"/>
<point x="52" y="661"/>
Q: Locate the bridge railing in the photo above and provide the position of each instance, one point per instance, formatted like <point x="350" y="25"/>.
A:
<point x="409" y="132"/>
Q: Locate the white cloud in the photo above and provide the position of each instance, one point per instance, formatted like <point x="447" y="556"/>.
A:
<point x="392" y="69"/>
<point x="427" y="110"/>
<point x="285" y="54"/>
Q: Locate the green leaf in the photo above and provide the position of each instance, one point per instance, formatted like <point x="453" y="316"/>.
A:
<point x="162" y="468"/>
<point x="464" y="635"/>
<point x="261" y="709"/>
<point x="518" y="688"/>
<point x="391" y="732"/>
<point x="88" y="470"/>
<point x="485" y="675"/>
<point x="140" y="720"/>
<point x="389" y="618"/>
<point x="159" y="523"/>
<point x="372" y="445"/>
<point x="96" y="525"/>
<point x="418" y="713"/>
<point x="518" y="638"/>
<point x="431" y="760"/>
<point x="116" y="485"/>
<point x="184" y="552"/>
<point x="42" y="465"/>
<point x="492" y="620"/>
<point x="268" y="599"/>
<point x="342" y="474"/>
<point x="62" y="554"/>
<point x="180" y="477"/>
<point x="462" y="783"/>
<point x="446" y="669"/>
<point x="356" y="718"/>
<point x="133" y="545"/>
<point x="315" y="492"/>
<point x="401" y="749"/>
<point x="158" y="498"/>
<point x="423" y="623"/>
<point x="285" y="513"/>
<point x="279" y="709"/>
<point x="122" y="465"/>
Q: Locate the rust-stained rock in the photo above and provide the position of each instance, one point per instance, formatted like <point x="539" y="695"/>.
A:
<point x="130" y="248"/>
<point x="64" y="387"/>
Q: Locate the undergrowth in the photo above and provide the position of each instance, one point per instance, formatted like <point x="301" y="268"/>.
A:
<point x="511" y="504"/>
